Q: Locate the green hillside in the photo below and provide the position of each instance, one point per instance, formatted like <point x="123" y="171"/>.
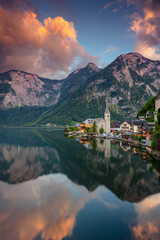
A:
<point x="148" y="107"/>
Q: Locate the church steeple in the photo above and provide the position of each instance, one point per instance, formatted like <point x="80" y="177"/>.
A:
<point x="107" y="103"/>
<point x="107" y="115"/>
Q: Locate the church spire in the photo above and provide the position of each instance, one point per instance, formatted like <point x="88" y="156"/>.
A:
<point x="107" y="115"/>
<point x="107" y="102"/>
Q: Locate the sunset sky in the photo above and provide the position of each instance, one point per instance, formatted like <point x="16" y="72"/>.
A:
<point x="54" y="37"/>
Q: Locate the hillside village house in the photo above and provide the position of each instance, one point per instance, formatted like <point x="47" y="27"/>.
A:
<point x="136" y="124"/>
<point x="141" y="118"/>
<point x="157" y="106"/>
<point x="82" y="127"/>
<point x="144" y="130"/>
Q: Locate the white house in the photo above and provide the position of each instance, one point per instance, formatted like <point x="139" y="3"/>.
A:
<point x="125" y="127"/>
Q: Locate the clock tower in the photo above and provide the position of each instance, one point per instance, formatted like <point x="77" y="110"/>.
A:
<point x="107" y="116"/>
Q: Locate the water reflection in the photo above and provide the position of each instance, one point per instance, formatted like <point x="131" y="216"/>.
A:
<point x="52" y="207"/>
<point x="100" y="190"/>
<point x="46" y="206"/>
<point x="123" y="172"/>
<point x="148" y="221"/>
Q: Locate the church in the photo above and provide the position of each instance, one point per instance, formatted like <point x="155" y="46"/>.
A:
<point x="157" y="106"/>
<point x="101" y="123"/>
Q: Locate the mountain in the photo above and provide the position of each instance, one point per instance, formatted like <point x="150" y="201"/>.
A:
<point x="76" y="79"/>
<point x="18" y="88"/>
<point x="131" y="80"/>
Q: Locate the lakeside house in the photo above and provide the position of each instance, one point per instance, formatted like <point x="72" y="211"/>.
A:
<point x="125" y="127"/>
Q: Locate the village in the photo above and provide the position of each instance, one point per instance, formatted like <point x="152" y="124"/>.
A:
<point x="137" y="131"/>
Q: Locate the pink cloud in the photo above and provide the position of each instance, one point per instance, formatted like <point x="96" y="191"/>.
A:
<point x="47" y="48"/>
<point x="147" y="28"/>
<point x="109" y="4"/>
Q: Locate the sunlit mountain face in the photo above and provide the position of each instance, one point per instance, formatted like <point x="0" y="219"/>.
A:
<point x="52" y="187"/>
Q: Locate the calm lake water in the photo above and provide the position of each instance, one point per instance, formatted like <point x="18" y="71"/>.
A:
<point x="52" y="187"/>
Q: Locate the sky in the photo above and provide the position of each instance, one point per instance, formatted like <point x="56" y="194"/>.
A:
<point x="52" y="38"/>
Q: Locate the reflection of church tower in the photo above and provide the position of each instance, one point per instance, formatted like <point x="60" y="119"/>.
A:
<point x="107" y="116"/>
<point x="107" y="152"/>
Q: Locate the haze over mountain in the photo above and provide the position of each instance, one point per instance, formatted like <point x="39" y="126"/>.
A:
<point x="131" y="80"/>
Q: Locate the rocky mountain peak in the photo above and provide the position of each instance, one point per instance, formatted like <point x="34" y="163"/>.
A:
<point x="93" y="67"/>
<point x="133" y="58"/>
<point x="132" y="67"/>
<point x="85" y="72"/>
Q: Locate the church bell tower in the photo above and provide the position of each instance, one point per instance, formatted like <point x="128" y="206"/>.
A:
<point x="107" y="115"/>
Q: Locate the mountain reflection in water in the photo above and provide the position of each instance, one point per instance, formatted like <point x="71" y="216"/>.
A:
<point x="89" y="188"/>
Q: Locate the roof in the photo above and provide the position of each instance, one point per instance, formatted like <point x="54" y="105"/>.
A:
<point x="115" y="125"/>
<point x="97" y="120"/>
<point x="127" y="134"/>
<point x="89" y="121"/>
<point x="138" y="122"/>
<point x="150" y="123"/>
<point x="127" y="121"/>
<point x="148" y="113"/>
<point x="141" y="117"/>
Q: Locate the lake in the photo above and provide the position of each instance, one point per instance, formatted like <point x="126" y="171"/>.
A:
<point x="52" y="187"/>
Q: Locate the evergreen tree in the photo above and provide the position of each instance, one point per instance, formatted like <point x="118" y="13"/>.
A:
<point x="101" y="130"/>
<point x="94" y="127"/>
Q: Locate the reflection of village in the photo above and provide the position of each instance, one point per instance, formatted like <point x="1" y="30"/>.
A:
<point x="114" y="149"/>
<point x="106" y="146"/>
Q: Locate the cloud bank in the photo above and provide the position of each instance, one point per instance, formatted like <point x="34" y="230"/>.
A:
<point x="49" y="48"/>
<point x="147" y="27"/>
